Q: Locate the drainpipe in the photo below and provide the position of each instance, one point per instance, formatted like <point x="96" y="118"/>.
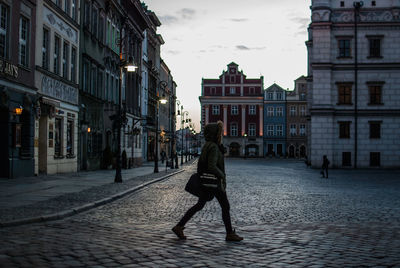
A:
<point x="357" y="6"/>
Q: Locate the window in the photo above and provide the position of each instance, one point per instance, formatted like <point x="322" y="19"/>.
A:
<point x="58" y="3"/>
<point x="375" y="94"/>
<point x="58" y="137"/>
<point x="252" y="91"/>
<point x="293" y="130"/>
<point x="252" y="130"/>
<point x="56" y="56"/>
<point x="374" y="130"/>
<point x="87" y="14"/>
<point x="270" y="130"/>
<point x="73" y="64"/>
<point x="45" y="49"/>
<point x="65" y="60"/>
<point x="270" y="111"/>
<point x="4" y="33"/>
<point x="344" y="130"/>
<point x="108" y="32"/>
<point x="279" y="95"/>
<point x="94" y="21"/>
<point x="232" y="79"/>
<point x="344" y="48"/>
<point x="234" y="129"/>
<point x="215" y="109"/>
<point x="344" y="93"/>
<point x="270" y="96"/>
<point x="279" y="130"/>
<point x="279" y="111"/>
<point x="374" y="159"/>
<point x="232" y="90"/>
<point x="86" y="76"/>
<point x="293" y="110"/>
<point x="341" y="3"/>
<point x="101" y="29"/>
<point x="93" y="86"/>
<point x="303" y="110"/>
<point x="213" y="91"/>
<point x="373" y="3"/>
<point x="67" y="6"/>
<point x="70" y="137"/>
<point x="374" y="47"/>
<point x="73" y="9"/>
<point x="100" y="84"/>
<point x="23" y="41"/>
<point x="346" y="159"/>
<point x="106" y="88"/>
<point x="302" y="130"/>
<point x="302" y="96"/>
<point x="252" y="109"/>
<point x="116" y="37"/>
<point x="234" y="110"/>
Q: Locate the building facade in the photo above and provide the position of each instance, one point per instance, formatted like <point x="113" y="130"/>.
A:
<point x="274" y="121"/>
<point x="296" y="119"/>
<point x="18" y="100"/>
<point x="238" y="102"/>
<point x="56" y="78"/>
<point x="354" y="70"/>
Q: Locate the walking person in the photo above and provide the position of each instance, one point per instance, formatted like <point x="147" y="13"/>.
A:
<point x="325" y="165"/>
<point x="211" y="161"/>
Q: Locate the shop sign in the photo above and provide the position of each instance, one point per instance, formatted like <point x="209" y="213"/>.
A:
<point x="8" y="68"/>
<point x="59" y="90"/>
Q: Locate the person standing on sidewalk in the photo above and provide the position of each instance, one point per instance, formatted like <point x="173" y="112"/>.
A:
<point x="325" y="165"/>
<point x="211" y="161"/>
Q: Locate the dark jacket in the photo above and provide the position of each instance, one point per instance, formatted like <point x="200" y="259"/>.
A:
<point x="212" y="158"/>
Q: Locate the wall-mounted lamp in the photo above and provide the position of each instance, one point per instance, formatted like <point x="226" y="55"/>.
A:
<point x="18" y="110"/>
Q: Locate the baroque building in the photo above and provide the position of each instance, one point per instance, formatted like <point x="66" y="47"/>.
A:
<point x="275" y="121"/>
<point x="238" y="102"/>
<point x="18" y="100"/>
<point x="296" y="119"/>
<point x="354" y="78"/>
<point x="56" y="78"/>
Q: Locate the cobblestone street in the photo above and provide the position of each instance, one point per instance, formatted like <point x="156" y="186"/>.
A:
<point x="288" y="215"/>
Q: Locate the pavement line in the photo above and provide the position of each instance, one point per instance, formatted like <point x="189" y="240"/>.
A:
<point x="73" y="211"/>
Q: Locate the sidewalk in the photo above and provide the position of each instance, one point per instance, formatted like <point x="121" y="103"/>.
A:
<point x="33" y="199"/>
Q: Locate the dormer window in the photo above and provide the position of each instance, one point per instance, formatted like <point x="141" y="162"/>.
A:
<point x="232" y="70"/>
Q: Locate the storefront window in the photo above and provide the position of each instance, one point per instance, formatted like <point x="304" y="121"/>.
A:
<point x="58" y="137"/>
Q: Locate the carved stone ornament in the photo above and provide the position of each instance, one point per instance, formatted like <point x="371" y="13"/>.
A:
<point x="321" y="15"/>
<point x="367" y="16"/>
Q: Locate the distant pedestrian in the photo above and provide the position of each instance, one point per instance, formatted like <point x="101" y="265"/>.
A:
<point x="211" y="161"/>
<point x="325" y="165"/>
<point x="163" y="155"/>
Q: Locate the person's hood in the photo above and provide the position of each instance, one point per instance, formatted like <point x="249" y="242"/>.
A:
<point x="213" y="131"/>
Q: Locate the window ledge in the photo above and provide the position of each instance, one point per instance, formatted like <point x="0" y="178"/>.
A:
<point x="375" y="104"/>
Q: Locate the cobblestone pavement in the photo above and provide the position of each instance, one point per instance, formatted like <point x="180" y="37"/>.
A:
<point x="288" y="215"/>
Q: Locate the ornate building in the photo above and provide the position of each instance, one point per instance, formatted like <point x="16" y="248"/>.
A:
<point x="238" y="102"/>
<point x="354" y="70"/>
<point x="275" y="121"/>
<point x="296" y="119"/>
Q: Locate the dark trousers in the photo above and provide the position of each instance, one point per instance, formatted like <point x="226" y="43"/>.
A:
<point x="223" y="202"/>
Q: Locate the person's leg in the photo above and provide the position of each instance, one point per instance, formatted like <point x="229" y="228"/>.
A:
<point x="189" y="214"/>
<point x="224" y="203"/>
<point x="326" y="171"/>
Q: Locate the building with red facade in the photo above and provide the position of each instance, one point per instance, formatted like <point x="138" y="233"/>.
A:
<point x="238" y="102"/>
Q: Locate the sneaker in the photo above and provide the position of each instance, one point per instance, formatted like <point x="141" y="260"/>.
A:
<point x="178" y="230"/>
<point x="233" y="237"/>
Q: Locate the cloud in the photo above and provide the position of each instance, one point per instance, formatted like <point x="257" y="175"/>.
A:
<point x="238" y="19"/>
<point x="242" y="47"/>
<point x="187" y="13"/>
<point x="167" y="19"/>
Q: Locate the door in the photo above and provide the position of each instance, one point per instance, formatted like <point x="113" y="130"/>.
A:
<point x="270" y="149"/>
<point x="279" y="149"/>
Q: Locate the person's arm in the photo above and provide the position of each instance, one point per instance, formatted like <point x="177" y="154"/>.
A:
<point x="212" y="159"/>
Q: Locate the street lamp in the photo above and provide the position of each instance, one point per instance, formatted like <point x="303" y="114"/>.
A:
<point x="182" y="126"/>
<point x="120" y="118"/>
<point x="244" y="145"/>
<point x="162" y="100"/>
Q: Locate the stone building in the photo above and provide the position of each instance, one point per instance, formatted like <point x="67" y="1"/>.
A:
<point x="56" y="78"/>
<point x="354" y="83"/>
<point x="238" y="102"/>
<point x="296" y="119"/>
<point x="18" y="105"/>
<point x="275" y="121"/>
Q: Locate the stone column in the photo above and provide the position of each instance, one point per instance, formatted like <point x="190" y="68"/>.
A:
<point x="261" y="111"/>
<point x="243" y="119"/>
<point x="207" y="110"/>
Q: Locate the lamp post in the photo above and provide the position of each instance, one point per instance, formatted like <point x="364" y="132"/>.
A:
<point x="120" y="117"/>
<point x="244" y="145"/>
<point x="182" y="127"/>
<point x="162" y="100"/>
<point x="178" y="113"/>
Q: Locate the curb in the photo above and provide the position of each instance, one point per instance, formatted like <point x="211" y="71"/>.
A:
<point x="73" y="211"/>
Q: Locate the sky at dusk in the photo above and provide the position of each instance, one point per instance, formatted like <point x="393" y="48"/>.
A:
<point x="264" y="37"/>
